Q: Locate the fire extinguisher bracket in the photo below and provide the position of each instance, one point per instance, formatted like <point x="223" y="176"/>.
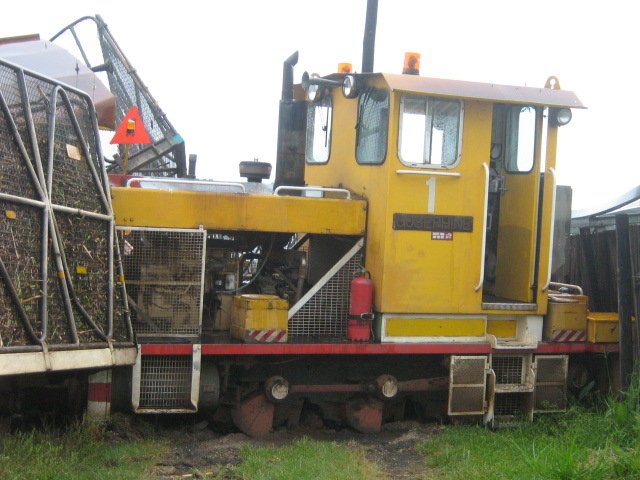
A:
<point x="367" y="317"/>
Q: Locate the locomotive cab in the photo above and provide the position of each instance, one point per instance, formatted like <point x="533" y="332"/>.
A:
<point x="460" y="183"/>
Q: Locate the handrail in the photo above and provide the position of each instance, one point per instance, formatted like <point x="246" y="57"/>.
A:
<point x="186" y="182"/>
<point x="558" y="285"/>
<point x="485" y="167"/>
<point x="292" y="188"/>
<point x="428" y="172"/>
<point x="552" y="174"/>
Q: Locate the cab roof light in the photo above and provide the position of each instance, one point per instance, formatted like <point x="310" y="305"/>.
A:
<point x="344" y="68"/>
<point x="411" y="63"/>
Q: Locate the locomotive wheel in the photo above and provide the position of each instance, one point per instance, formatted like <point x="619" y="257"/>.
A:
<point x="254" y="416"/>
<point x="364" y="414"/>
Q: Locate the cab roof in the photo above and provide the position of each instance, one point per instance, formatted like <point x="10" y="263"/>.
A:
<point x="548" y="97"/>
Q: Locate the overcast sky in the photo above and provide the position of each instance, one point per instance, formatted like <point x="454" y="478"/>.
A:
<point x="215" y="67"/>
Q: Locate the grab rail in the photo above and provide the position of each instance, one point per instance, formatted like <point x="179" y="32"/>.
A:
<point x="485" y="167"/>
<point x="552" y="174"/>
<point x="428" y="172"/>
<point x="186" y="182"/>
<point x="282" y="188"/>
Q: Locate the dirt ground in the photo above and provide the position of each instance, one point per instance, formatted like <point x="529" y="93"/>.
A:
<point x="201" y="452"/>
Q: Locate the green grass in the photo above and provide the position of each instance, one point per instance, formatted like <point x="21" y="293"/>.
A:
<point x="86" y="451"/>
<point x="580" y="444"/>
<point x="306" y="459"/>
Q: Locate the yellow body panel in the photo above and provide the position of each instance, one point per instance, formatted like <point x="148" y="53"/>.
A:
<point x="227" y="211"/>
<point x="253" y="303"/>
<point x="501" y="328"/>
<point x="435" y="327"/>
<point x="566" y="316"/>
<point x="603" y="327"/>
<point x="258" y="312"/>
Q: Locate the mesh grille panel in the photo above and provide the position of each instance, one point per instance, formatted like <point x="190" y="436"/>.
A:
<point x="86" y="248"/>
<point x="163" y="273"/>
<point x="551" y="385"/>
<point x="60" y="278"/>
<point x="325" y="314"/>
<point x="14" y="175"/>
<point x="467" y="400"/>
<point x="121" y="319"/>
<point x="550" y="398"/>
<point x="508" y="404"/>
<point x="468" y="371"/>
<point x="39" y="94"/>
<point x="165" y="381"/>
<point x="467" y="385"/>
<point x="73" y="184"/>
<point x="20" y="250"/>
<point x="11" y="93"/>
<point x="508" y="370"/>
<point x="551" y="370"/>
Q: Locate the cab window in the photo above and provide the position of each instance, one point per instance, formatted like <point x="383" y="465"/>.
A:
<point x="429" y="131"/>
<point x="520" y="138"/>
<point x="319" y="130"/>
<point x="372" y="126"/>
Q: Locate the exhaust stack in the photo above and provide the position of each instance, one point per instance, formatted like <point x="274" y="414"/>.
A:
<point x="292" y="126"/>
<point x="369" y="41"/>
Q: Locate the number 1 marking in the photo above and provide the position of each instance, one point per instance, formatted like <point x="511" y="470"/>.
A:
<point x="431" y="198"/>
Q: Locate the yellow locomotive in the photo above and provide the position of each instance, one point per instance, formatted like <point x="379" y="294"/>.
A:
<point x="443" y="191"/>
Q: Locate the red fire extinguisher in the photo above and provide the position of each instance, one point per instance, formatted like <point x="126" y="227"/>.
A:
<point x="360" y="308"/>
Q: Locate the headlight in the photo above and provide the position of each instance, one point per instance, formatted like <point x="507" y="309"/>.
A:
<point x="561" y="116"/>
<point x="349" y="89"/>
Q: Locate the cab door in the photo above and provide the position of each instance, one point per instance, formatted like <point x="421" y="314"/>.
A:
<point x="516" y="140"/>
<point x="435" y="205"/>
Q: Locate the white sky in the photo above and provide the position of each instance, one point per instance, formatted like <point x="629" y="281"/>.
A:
<point x="216" y="67"/>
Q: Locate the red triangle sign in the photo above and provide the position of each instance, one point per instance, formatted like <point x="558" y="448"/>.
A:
<point x="131" y="130"/>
